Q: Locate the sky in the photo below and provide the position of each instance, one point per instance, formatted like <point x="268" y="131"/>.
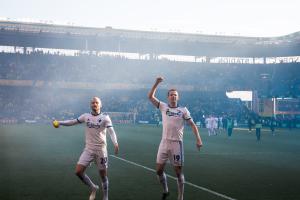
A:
<point x="265" y="18"/>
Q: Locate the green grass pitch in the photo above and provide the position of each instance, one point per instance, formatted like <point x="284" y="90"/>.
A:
<point x="38" y="161"/>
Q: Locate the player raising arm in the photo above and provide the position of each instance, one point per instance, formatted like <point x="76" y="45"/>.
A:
<point x="171" y="146"/>
<point x="95" y="149"/>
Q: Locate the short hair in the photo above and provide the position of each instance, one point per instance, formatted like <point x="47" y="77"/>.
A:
<point x="97" y="99"/>
<point x="171" y="90"/>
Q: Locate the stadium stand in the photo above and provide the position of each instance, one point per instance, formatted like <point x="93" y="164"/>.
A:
<point x="39" y="84"/>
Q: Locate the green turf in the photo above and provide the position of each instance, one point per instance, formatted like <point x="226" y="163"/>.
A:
<point x="37" y="162"/>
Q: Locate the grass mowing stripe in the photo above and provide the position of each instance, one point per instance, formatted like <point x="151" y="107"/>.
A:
<point x="174" y="178"/>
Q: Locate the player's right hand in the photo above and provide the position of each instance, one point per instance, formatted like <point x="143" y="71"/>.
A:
<point x="55" y="123"/>
<point x="159" y="79"/>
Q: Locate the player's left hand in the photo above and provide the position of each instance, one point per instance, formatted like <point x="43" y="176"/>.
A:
<point x="116" y="149"/>
<point x="199" y="145"/>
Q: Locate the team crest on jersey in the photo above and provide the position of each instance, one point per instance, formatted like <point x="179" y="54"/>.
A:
<point x="174" y="114"/>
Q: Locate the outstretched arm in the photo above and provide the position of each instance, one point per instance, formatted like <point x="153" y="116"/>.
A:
<point x="71" y="122"/>
<point x="196" y="133"/>
<point x="151" y="94"/>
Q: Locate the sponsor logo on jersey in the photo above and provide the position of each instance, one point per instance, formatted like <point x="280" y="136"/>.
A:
<point x="177" y="113"/>
<point x="92" y="125"/>
<point x="97" y="125"/>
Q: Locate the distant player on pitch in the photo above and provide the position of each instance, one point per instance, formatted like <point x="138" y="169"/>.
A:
<point x="95" y="150"/>
<point x="171" y="147"/>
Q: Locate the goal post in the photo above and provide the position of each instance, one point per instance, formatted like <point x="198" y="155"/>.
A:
<point x="122" y="117"/>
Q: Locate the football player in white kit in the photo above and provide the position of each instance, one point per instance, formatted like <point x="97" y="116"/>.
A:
<point x="96" y="125"/>
<point x="171" y="147"/>
<point x="212" y="125"/>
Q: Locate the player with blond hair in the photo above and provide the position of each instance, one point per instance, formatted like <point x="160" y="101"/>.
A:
<point x="171" y="146"/>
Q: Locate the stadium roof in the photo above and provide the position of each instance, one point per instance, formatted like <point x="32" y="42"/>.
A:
<point x="109" y="31"/>
<point x="45" y="35"/>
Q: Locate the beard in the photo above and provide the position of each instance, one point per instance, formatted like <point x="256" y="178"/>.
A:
<point x="95" y="110"/>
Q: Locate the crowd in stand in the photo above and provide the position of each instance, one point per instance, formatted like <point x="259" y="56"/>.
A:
<point x="209" y="81"/>
<point x="268" y="79"/>
<point x="35" y="103"/>
<point x="18" y="104"/>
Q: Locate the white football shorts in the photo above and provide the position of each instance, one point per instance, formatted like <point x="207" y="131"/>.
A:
<point x="172" y="151"/>
<point x="98" y="157"/>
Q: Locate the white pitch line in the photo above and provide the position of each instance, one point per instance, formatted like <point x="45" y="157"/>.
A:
<point x="246" y="129"/>
<point x="174" y="178"/>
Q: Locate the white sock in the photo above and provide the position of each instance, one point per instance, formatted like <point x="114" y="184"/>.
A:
<point x="180" y="185"/>
<point x="88" y="181"/>
<point x="105" y="188"/>
<point x="163" y="181"/>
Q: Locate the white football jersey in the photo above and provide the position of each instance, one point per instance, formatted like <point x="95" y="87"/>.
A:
<point x="95" y="130"/>
<point x="173" y="121"/>
<point x="211" y="122"/>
